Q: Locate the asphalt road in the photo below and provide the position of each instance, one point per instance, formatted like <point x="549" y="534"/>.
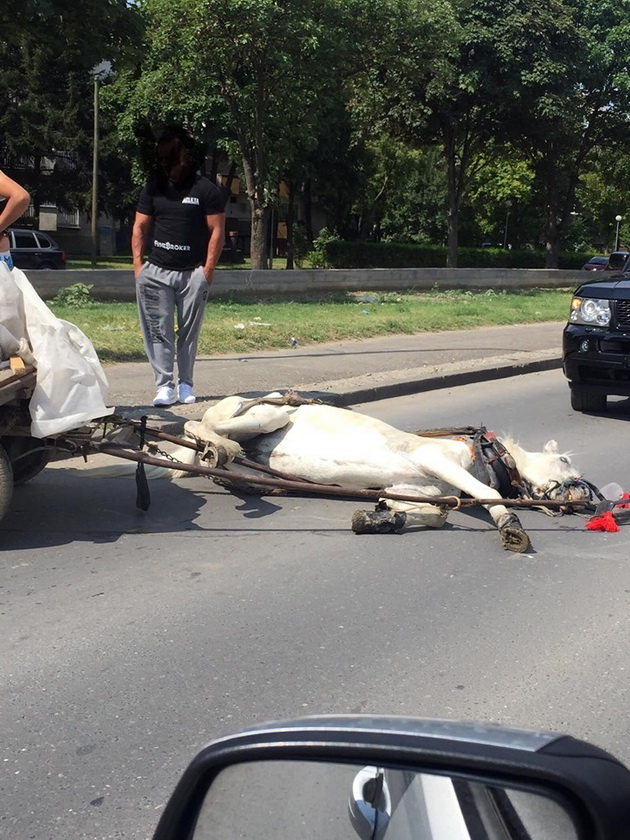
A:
<point x="129" y="640"/>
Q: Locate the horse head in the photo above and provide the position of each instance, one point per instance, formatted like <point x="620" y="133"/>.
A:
<point x="550" y="474"/>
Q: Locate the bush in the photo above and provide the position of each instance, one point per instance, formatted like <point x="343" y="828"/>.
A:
<point x="319" y="257"/>
<point x="331" y="252"/>
<point x="76" y="295"/>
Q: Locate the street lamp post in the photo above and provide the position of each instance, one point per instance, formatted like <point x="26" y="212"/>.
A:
<point x="99" y="72"/>
<point x="618" y="220"/>
<point x="95" y="154"/>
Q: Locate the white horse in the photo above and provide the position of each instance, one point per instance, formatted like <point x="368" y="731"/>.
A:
<point x="336" y="446"/>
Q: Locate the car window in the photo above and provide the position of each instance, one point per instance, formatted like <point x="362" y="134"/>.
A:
<point x="24" y="239"/>
<point x="44" y="241"/>
<point x="617" y="260"/>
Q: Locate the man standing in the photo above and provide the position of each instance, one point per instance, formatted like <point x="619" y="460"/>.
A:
<point x="14" y="200"/>
<point x="185" y="212"/>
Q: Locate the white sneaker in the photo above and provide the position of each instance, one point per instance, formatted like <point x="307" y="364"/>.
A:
<point x="165" y="396"/>
<point x="185" y="393"/>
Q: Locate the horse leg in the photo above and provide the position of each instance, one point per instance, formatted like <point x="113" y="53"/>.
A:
<point x="512" y="534"/>
<point x="258" y="420"/>
<point x="392" y="516"/>
<point x="228" y="449"/>
<point x="223" y="421"/>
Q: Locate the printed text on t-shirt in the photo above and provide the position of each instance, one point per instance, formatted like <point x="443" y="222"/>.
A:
<point x="168" y="246"/>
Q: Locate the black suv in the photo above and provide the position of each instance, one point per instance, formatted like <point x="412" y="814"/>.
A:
<point x="34" y="249"/>
<point x="596" y="341"/>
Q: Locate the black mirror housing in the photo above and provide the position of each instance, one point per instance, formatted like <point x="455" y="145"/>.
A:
<point x="591" y="783"/>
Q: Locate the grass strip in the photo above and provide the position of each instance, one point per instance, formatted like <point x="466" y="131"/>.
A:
<point x="238" y="326"/>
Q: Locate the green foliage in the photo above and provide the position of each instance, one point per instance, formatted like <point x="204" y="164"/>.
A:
<point x="46" y="91"/>
<point x="77" y="296"/>
<point x="300" y="245"/>
<point x="407" y="120"/>
<point x="333" y="253"/>
<point x="323" y="249"/>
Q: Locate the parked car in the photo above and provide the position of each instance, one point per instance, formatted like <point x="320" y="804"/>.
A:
<point x="617" y="260"/>
<point x="596" y="341"/>
<point x="34" y="249"/>
<point x="597" y="263"/>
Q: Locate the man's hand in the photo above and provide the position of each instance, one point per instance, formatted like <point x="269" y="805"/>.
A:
<point x="208" y="271"/>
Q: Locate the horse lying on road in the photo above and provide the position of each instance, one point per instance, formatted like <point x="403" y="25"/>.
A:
<point x="337" y="446"/>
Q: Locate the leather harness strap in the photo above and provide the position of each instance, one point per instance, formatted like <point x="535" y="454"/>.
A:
<point x="292" y="398"/>
<point x="494" y="464"/>
<point x="500" y="464"/>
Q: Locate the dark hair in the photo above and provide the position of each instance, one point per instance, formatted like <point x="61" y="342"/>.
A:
<point x="170" y="143"/>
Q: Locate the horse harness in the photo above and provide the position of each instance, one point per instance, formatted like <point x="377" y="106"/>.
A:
<point x="291" y="398"/>
<point x="492" y="463"/>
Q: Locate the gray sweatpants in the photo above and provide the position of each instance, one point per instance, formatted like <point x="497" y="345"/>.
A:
<point x="162" y="294"/>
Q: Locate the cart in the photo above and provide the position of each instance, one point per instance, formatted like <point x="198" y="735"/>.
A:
<point x="22" y="456"/>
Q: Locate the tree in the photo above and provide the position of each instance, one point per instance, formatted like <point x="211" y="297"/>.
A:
<point x="270" y="70"/>
<point x="575" y="105"/>
<point x="501" y="199"/>
<point x="255" y="80"/>
<point x="474" y="98"/>
<point x="46" y="91"/>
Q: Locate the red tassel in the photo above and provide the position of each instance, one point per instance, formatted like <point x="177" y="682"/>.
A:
<point x="605" y="522"/>
<point x="624" y="496"/>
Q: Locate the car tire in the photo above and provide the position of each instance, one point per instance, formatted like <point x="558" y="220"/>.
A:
<point x="6" y="483"/>
<point x="583" y="400"/>
<point x="46" y="267"/>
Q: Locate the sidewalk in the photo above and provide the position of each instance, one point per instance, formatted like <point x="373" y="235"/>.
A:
<point x="349" y="372"/>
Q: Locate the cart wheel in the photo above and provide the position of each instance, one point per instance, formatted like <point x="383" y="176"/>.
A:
<point x="6" y="482"/>
<point x="26" y="464"/>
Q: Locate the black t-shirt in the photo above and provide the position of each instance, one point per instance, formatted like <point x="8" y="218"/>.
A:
<point x="180" y="232"/>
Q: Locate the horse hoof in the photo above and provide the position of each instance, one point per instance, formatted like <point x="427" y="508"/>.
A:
<point x="215" y="457"/>
<point x="378" y="522"/>
<point x="513" y="536"/>
<point x="515" y="539"/>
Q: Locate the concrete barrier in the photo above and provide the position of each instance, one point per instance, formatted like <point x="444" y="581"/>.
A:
<point x="118" y="284"/>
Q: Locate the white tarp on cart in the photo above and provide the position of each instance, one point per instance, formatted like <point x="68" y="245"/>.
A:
<point x="71" y="387"/>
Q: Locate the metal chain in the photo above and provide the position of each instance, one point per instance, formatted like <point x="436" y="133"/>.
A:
<point x="154" y="449"/>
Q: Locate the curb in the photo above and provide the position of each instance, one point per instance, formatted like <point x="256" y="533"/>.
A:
<point x="446" y="380"/>
<point x="373" y="387"/>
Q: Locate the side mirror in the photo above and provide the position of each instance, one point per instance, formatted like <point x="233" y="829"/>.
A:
<point x="383" y="778"/>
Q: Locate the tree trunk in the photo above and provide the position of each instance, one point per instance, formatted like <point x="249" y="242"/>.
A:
<point x="258" y="245"/>
<point x="558" y="213"/>
<point x="289" y="223"/>
<point x="307" y="200"/>
<point x="459" y="163"/>
<point x="37" y="172"/>
<point x="258" y="250"/>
